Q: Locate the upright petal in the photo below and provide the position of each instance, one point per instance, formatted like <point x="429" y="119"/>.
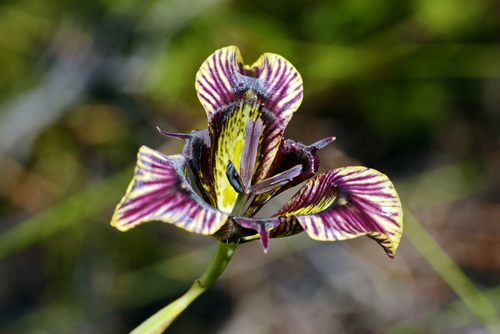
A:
<point x="343" y="204"/>
<point x="160" y="191"/>
<point x="224" y="82"/>
<point x="232" y="93"/>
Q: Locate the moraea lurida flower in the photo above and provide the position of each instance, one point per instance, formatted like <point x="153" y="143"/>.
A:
<point x="241" y="161"/>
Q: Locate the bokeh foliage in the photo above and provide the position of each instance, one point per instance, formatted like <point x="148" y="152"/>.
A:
<point x="411" y="88"/>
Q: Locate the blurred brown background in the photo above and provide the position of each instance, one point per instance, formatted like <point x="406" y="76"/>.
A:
<point x="411" y="88"/>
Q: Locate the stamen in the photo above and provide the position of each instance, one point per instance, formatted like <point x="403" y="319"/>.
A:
<point x="275" y="181"/>
<point x="253" y="131"/>
<point x="234" y="178"/>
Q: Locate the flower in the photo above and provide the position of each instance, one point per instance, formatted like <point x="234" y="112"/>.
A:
<point x="241" y="161"/>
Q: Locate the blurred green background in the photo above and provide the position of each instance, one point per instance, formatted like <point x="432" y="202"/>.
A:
<point x="411" y="88"/>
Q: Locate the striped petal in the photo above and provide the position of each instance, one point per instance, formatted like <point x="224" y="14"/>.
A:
<point x="223" y="83"/>
<point x="232" y="94"/>
<point x="343" y="204"/>
<point x="160" y="191"/>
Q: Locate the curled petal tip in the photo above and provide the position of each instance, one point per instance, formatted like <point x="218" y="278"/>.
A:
<point x="390" y="253"/>
<point x="181" y="136"/>
<point x="322" y="143"/>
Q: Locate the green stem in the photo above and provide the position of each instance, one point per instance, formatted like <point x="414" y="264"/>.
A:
<point x="160" y="321"/>
<point x="239" y="205"/>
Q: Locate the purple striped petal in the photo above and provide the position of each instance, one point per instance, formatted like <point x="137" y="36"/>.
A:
<point x="232" y="93"/>
<point x="343" y="204"/>
<point x="223" y="83"/>
<point x="160" y="191"/>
